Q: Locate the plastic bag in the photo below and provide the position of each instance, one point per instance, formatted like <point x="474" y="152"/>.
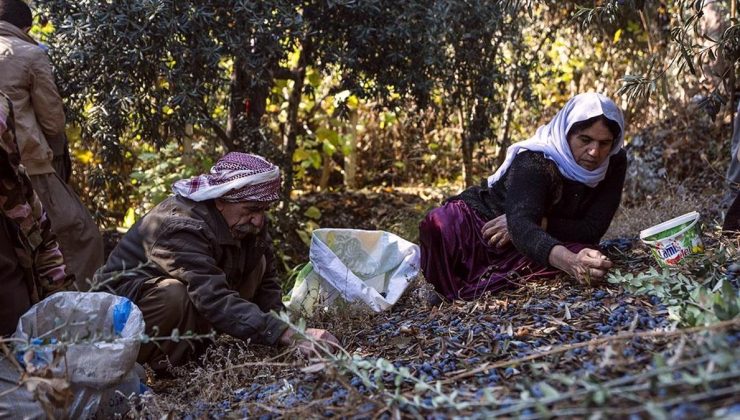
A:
<point x="108" y="402"/>
<point x="370" y="268"/>
<point x="101" y="333"/>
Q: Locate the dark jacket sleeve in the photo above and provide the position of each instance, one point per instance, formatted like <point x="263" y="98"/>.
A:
<point x="594" y="223"/>
<point x="529" y="188"/>
<point x="182" y="249"/>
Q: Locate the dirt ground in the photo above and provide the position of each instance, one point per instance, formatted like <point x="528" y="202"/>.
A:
<point x="550" y="341"/>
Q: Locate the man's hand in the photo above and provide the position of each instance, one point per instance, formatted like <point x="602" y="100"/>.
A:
<point x="589" y="264"/>
<point x="306" y="347"/>
<point x="496" y="232"/>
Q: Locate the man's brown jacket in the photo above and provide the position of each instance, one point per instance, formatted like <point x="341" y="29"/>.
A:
<point x="190" y="241"/>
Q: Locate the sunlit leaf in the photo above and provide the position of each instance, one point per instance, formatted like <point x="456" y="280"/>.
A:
<point x="617" y="35"/>
<point x="313" y="212"/>
<point x="130" y="218"/>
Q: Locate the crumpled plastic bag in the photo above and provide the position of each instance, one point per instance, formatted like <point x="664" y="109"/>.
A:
<point x="101" y="333"/>
<point x="369" y="269"/>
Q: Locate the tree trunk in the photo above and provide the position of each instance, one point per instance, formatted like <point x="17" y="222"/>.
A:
<point x="247" y="105"/>
<point x="255" y="106"/>
<point x="237" y="101"/>
<point x="292" y="124"/>
<point x="350" y="161"/>
<point x="467" y="148"/>
<point x="326" y="168"/>
<point x="506" y="126"/>
<point x="467" y="152"/>
<point x="187" y="146"/>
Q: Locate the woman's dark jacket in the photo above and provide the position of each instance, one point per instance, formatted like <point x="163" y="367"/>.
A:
<point x="533" y="188"/>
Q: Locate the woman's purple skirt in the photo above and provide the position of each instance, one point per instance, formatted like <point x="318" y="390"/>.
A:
<point x="459" y="262"/>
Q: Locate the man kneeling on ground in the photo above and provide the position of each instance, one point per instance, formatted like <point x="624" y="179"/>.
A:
<point x="203" y="259"/>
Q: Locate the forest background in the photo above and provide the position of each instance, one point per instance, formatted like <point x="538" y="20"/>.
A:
<point x="376" y="93"/>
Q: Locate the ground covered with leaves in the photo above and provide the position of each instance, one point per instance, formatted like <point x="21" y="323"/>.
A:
<point x="647" y="343"/>
<point x="543" y="350"/>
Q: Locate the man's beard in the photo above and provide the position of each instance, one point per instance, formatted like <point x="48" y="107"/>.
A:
<point x="242" y="231"/>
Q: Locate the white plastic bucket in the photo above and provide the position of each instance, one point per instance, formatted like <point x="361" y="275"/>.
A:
<point x="674" y="239"/>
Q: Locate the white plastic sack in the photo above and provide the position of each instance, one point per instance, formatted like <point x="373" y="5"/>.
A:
<point x="102" y="336"/>
<point x="106" y="403"/>
<point x="370" y="268"/>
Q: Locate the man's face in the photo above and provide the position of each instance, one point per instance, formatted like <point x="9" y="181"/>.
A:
<point x="591" y="146"/>
<point x="245" y="218"/>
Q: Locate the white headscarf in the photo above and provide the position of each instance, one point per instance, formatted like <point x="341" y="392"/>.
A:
<point x="551" y="139"/>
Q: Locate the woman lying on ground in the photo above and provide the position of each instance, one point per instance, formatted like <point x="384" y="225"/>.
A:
<point x="542" y="213"/>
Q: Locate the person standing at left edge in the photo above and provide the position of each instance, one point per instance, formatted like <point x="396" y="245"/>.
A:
<point x="31" y="265"/>
<point x="26" y="77"/>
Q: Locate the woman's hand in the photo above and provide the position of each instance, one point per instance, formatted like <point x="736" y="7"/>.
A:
<point x="589" y="264"/>
<point x="496" y="232"/>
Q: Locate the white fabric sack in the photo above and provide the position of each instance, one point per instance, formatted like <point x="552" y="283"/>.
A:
<point x="369" y="268"/>
<point x="102" y="334"/>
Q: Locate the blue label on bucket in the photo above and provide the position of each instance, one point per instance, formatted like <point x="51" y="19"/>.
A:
<point x="121" y="313"/>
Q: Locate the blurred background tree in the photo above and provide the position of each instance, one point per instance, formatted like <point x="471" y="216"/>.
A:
<point x="350" y="94"/>
<point x="139" y="75"/>
<point x="693" y="45"/>
<point x="682" y="83"/>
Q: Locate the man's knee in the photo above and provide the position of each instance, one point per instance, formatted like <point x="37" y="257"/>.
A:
<point x="165" y="305"/>
<point x="170" y="291"/>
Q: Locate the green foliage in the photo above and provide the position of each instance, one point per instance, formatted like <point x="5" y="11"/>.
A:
<point x="294" y="274"/>
<point x="142" y="75"/>
<point x="697" y="294"/>
<point x="145" y="72"/>
<point x="155" y="171"/>
<point x="152" y="68"/>
<point x="399" y="88"/>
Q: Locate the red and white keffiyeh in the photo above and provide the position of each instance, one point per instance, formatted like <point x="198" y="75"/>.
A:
<point x="236" y="177"/>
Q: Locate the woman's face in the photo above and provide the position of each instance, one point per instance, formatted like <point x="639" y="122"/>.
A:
<point x="591" y="146"/>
